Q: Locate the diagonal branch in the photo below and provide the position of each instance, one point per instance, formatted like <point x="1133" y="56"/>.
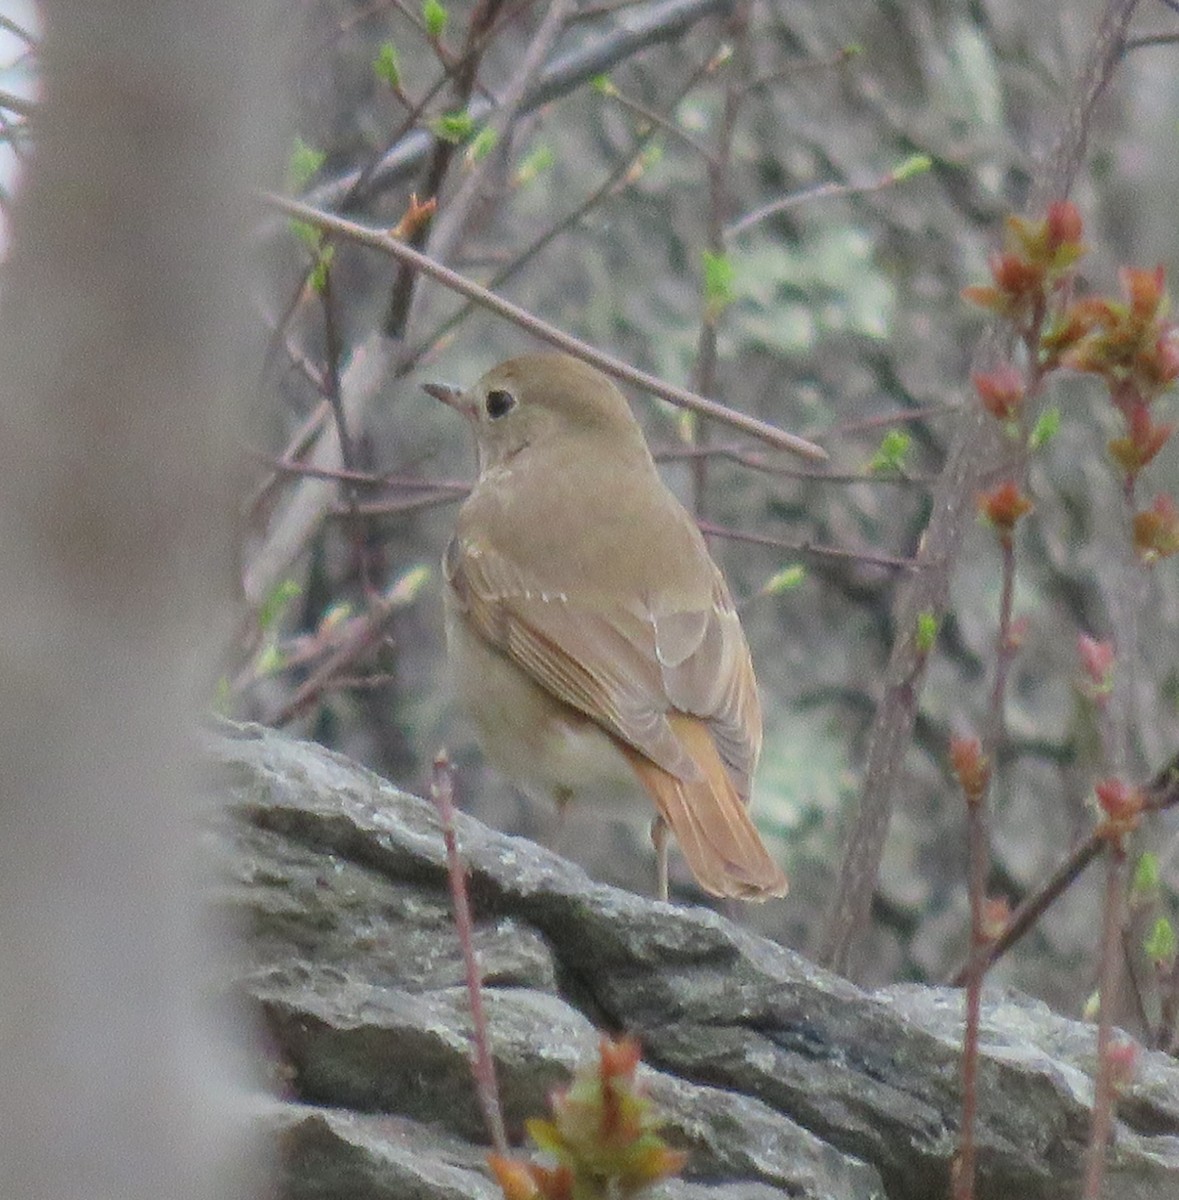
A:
<point x="374" y="238"/>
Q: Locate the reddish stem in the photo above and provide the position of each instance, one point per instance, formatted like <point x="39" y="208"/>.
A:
<point x="1104" y="1092"/>
<point x="977" y="841"/>
<point x="482" y="1064"/>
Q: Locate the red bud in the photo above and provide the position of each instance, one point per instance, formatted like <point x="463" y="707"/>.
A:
<point x="1003" y="506"/>
<point x="1144" y="289"/>
<point x="1097" y="660"/>
<point x="1156" y="530"/>
<point x="971" y="767"/>
<point x="1064" y="223"/>
<point x="1001" y="391"/>
<point x="1121" y="804"/>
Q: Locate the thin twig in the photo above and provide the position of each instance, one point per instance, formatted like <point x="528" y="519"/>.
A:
<point x="18" y="31"/>
<point x="979" y="856"/>
<point x="1161" y="793"/>
<point x="390" y="508"/>
<point x="14" y="134"/>
<point x="1104" y="1093"/>
<point x="717" y="166"/>
<point x="594" y="12"/>
<point x="822" y="191"/>
<point x="659" y="121"/>
<point x="333" y="350"/>
<point x="308" y="430"/>
<point x="866" y="424"/>
<point x="1157" y="39"/>
<point x="365" y="479"/>
<point x="806" y="67"/>
<point x="757" y="461"/>
<point x="366" y="236"/>
<point x="17" y="104"/>
<point x="483" y="1064"/>
<point x="1105" y="54"/>
<point x="833" y="552"/>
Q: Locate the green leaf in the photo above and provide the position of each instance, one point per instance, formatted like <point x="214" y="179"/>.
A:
<point x="1145" y="884"/>
<point x="916" y="164"/>
<point x="719" y="276"/>
<point x="435" y="15"/>
<point x="270" y="661"/>
<point x="1046" y="428"/>
<point x="604" y="85"/>
<point x="482" y="144"/>
<point x="687" y="426"/>
<point x="308" y="234"/>
<point x="927" y="628"/>
<point x="276" y="601"/>
<point x="545" y="1134"/>
<point x="303" y="165"/>
<point x="453" y="127"/>
<point x="539" y="159"/>
<point x="323" y="264"/>
<point x="406" y="588"/>
<point x="387" y="66"/>
<point x="1160" y="944"/>
<point x="784" y="580"/>
<point x="891" y="454"/>
<point x="336" y="615"/>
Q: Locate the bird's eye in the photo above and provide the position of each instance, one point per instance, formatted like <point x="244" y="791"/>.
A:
<point x="499" y="402"/>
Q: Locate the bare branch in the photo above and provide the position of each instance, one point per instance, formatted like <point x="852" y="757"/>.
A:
<point x="366" y="236"/>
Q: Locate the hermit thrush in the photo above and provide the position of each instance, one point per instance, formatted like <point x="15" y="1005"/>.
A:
<point x="593" y="640"/>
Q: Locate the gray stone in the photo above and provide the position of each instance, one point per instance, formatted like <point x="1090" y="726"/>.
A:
<point x="777" y="1077"/>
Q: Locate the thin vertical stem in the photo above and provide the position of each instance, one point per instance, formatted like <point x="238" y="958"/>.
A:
<point x="333" y="354"/>
<point x="718" y="166"/>
<point x="978" y="849"/>
<point x="1111" y="967"/>
<point x="483" y="1064"/>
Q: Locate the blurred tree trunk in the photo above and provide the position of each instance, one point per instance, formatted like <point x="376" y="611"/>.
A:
<point x="121" y="299"/>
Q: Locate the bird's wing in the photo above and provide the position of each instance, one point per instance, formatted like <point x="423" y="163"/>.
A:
<point x="624" y="666"/>
<point x="706" y="672"/>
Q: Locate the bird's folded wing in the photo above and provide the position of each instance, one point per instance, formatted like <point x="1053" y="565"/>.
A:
<point x="624" y="666"/>
<point x="706" y="672"/>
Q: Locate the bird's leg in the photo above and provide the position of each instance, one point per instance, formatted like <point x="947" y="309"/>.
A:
<point x="561" y="801"/>
<point x="659" y="834"/>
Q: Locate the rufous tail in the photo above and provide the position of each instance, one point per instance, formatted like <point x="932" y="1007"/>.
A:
<point x="709" y="819"/>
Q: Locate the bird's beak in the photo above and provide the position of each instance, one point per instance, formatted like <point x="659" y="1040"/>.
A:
<point x="449" y="395"/>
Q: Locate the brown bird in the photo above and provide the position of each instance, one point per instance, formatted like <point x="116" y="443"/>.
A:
<point x="593" y="640"/>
